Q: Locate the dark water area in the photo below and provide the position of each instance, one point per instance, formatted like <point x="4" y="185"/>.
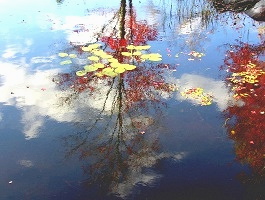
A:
<point x="155" y="99"/>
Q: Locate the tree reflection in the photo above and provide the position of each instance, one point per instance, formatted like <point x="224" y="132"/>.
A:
<point x="122" y="140"/>
<point x="245" y="122"/>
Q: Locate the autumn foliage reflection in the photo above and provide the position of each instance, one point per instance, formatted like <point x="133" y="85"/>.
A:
<point x="122" y="139"/>
<point x="245" y="122"/>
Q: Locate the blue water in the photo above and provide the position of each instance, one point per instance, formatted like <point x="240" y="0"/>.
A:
<point x="53" y="140"/>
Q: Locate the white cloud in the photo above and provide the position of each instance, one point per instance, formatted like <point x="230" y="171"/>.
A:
<point x="221" y="94"/>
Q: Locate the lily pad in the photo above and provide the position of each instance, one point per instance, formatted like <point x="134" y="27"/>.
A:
<point x="90" y="68"/>
<point x="137" y="53"/>
<point x="91" y="47"/>
<point x="129" y="67"/>
<point x="144" y="47"/>
<point x="72" y="55"/>
<point x="119" y="70"/>
<point x="126" y="54"/>
<point x="63" y="55"/>
<point x="99" y="65"/>
<point x="113" y="60"/>
<point x="66" y="62"/>
<point x="93" y="58"/>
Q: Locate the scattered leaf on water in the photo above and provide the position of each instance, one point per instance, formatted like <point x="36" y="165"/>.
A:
<point x="90" y="68"/>
<point x="137" y="53"/>
<point x="129" y="67"/>
<point x="140" y="48"/>
<point x="93" y="58"/>
<point x="63" y="55"/>
<point x="91" y="47"/>
<point x="66" y="62"/>
<point x="119" y="70"/>
<point x="113" y="60"/>
<point x="72" y="55"/>
<point x="126" y="54"/>
<point x="99" y="65"/>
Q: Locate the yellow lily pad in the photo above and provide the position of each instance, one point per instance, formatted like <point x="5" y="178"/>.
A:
<point x="99" y="65"/>
<point x="144" y="47"/>
<point x="72" y="55"/>
<point x="63" y="55"/>
<point x="93" y="58"/>
<point x="137" y="53"/>
<point x="119" y="70"/>
<point x="90" y="68"/>
<point x="113" y="60"/>
<point x="66" y="62"/>
<point x="126" y="54"/>
<point x="129" y="67"/>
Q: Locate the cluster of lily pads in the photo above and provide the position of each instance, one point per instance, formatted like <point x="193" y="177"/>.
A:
<point x="104" y="64"/>
<point x="199" y="95"/>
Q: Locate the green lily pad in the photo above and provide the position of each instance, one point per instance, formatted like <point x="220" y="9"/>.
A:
<point x="66" y="62"/>
<point x="81" y="73"/>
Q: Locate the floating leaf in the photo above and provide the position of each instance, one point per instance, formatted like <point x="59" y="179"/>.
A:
<point x="98" y="52"/>
<point x="140" y="48"/>
<point x="115" y="64"/>
<point x="90" y="68"/>
<point x="109" y="72"/>
<point x="129" y="67"/>
<point x="137" y="53"/>
<point x="81" y="73"/>
<point x="155" y="59"/>
<point x="99" y="74"/>
<point x="99" y="65"/>
<point x="90" y="47"/>
<point x="106" y="56"/>
<point x="72" y="55"/>
<point x="126" y="54"/>
<point x="93" y="58"/>
<point x="66" y="62"/>
<point x="63" y="55"/>
<point x="113" y="60"/>
<point x="130" y="47"/>
<point x="119" y="70"/>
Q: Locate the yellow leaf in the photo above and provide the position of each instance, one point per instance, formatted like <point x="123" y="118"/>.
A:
<point x="99" y="65"/>
<point x="126" y="54"/>
<point x="72" y="55"/>
<point x="93" y="58"/>
<point x="66" y="62"/>
<point x="90" y="68"/>
<point x="145" y="47"/>
<point x="137" y="53"/>
<point x="63" y="55"/>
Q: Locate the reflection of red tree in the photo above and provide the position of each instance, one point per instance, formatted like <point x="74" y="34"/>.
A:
<point x="247" y="80"/>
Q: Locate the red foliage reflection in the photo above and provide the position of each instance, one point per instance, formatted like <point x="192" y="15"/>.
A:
<point x="246" y="120"/>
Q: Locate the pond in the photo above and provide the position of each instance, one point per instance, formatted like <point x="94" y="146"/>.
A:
<point x="155" y="99"/>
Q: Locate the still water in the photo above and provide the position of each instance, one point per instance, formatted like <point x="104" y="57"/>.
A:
<point x="154" y="99"/>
